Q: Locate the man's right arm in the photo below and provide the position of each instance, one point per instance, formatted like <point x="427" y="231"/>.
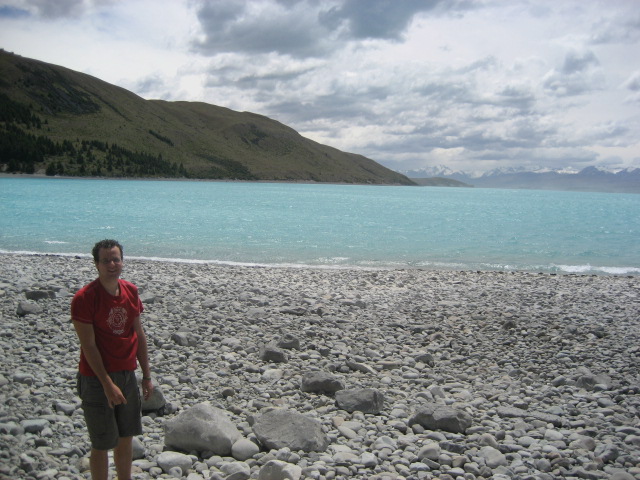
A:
<point x="87" y="339"/>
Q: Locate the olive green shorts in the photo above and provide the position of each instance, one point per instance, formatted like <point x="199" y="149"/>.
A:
<point x="105" y="424"/>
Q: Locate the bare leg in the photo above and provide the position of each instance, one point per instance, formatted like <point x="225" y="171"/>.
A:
<point x="123" y="456"/>
<point x="99" y="463"/>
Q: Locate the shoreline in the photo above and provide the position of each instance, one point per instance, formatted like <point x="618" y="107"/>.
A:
<point x="545" y="366"/>
<point x="578" y="270"/>
<point x="220" y="180"/>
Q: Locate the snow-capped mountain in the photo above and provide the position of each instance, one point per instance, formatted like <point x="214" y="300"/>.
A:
<point x="588" y="179"/>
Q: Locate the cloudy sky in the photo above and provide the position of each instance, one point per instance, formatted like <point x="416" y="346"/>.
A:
<point x="470" y="84"/>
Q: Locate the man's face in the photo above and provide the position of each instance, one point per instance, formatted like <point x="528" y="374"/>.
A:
<point x="109" y="264"/>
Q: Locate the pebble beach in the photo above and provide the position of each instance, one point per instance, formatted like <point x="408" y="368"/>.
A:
<point x="545" y="368"/>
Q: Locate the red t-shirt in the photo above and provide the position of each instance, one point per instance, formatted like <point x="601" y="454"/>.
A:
<point x="112" y="319"/>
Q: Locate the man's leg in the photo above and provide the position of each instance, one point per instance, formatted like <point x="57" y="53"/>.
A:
<point x="123" y="456"/>
<point x="99" y="463"/>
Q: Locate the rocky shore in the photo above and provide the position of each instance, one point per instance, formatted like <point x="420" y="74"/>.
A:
<point x="337" y="374"/>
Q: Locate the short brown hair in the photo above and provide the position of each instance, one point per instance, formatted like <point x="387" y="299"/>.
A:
<point x="105" y="244"/>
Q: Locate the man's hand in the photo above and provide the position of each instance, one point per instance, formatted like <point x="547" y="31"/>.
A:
<point x="147" y="388"/>
<point x="114" y="395"/>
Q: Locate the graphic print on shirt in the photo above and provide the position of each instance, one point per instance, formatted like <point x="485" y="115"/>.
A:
<point x="117" y="320"/>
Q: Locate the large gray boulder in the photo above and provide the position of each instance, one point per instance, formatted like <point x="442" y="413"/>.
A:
<point x="320" y="382"/>
<point x="202" y="428"/>
<point x="365" y="400"/>
<point x="433" y="416"/>
<point x="282" y="428"/>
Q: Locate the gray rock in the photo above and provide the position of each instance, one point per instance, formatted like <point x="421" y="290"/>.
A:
<point x="621" y="476"/>
<point x="210" y="302"/>
<point x="39" y="294"/>
<point x="201" y="428"/>
<point x="559" y="381"/>
<point x="184" y="339"/>
<point x="431" y="451"/>
<point x="486" y="439"/>
<point x="278" y="470"/>
<point x="170" y="460"/>
<point x="514" y="412"/>
<point x="65" y="408"/>
<point x="365" y="400"/>
<point x="588" y="474"/>
<point x="434" y="416"/>
<point x="369" y="460"/>
<point x="148" y="298"/>
<point x="11" y="428"/>
<point x="493" y="457"/>
<point x="271" y="353"/>
<point x="236" y="471"/>
<point x="583" y="443"/>
<point x="244" y="449"/>
<point x="282" y="428"/>
<point x="360" y="367"/>
<point x="138" y="449"/>
<point x="28" y="308"/>
<point x="34" y="425"/>
<point x="607" y="452"/>
<point x="28" y="463"/>
<point x="156" y="402"/>
<point x="175" y="472"/>
<point x="320" y="382"/>
<point x="299" y="311"/>
<point x="24" y="378"/>
<point x="289" y="341"/>
<point x="589" y="381"/>
<point x="426" y="358"/>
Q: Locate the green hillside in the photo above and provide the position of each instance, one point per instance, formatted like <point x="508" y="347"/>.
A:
<point x="63" y="122"/>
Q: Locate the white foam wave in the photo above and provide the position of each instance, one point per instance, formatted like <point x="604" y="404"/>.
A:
<point x="589" y="269"/>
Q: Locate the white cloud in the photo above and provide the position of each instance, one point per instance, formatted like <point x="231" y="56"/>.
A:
<point x="414" y="83"/>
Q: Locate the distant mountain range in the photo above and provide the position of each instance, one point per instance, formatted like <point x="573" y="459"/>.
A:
<point x="593" y="179"/>
<point x="58" y="121"/>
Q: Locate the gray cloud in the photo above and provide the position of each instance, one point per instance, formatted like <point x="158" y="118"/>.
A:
<point x="618" y="28"/>
<point x="633" y="82"/>
<point x="149" y="86"/>
<point x="304" y="28"/>
<point x="382" y="19"/>
<point x="288" y="28"/>
<point x="579" y="74"/>
<point x="11" y="12"/>
<point x="53" y="9"/>
<point x="576" y="62"/>
<point x="253" y="79"/>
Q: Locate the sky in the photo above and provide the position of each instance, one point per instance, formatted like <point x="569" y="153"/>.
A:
<point x="472" y="85"/>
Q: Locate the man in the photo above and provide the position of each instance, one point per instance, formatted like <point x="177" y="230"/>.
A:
<point x="106" y="317"/>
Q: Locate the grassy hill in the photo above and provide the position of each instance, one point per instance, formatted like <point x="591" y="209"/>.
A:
<point x="59" y="121"/>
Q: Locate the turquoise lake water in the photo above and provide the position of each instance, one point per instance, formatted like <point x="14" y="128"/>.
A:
<point x="326" y="225"/>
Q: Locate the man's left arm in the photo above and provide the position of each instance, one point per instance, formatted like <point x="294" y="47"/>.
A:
<point x="143" y="358"/>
